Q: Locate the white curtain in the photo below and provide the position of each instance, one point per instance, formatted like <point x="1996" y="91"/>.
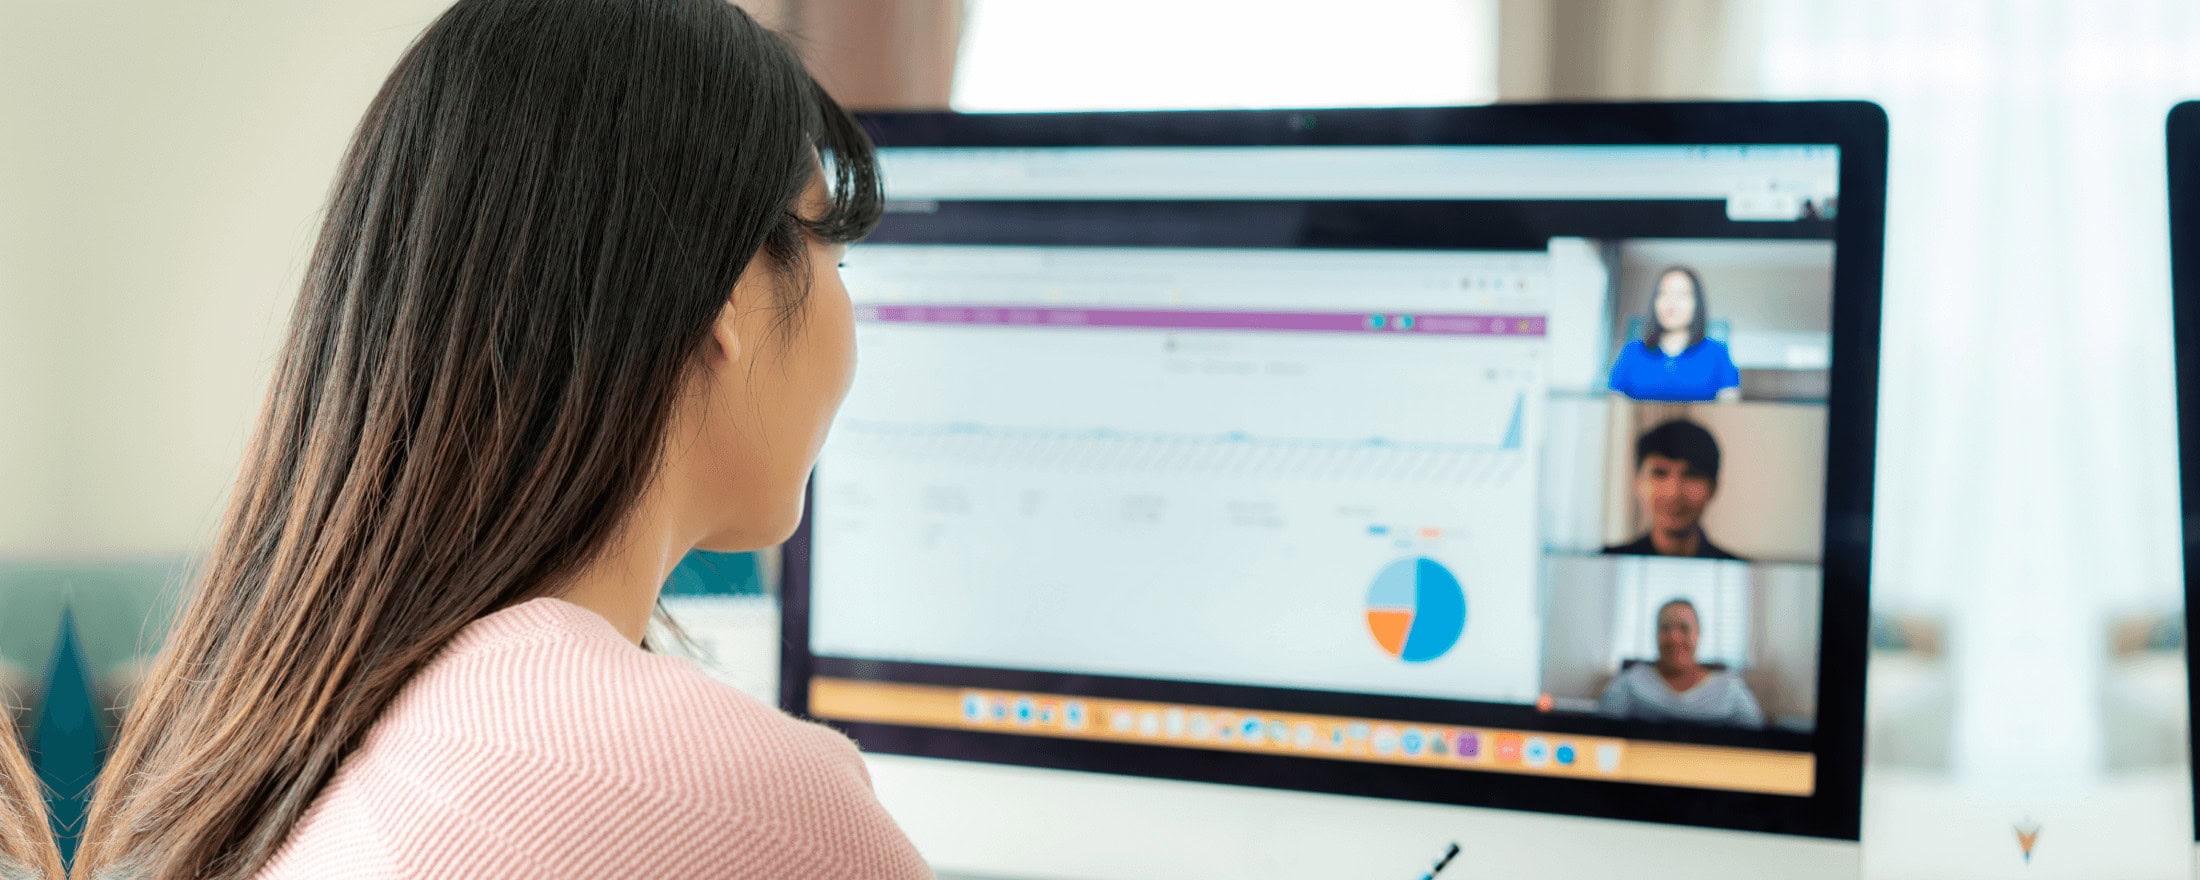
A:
<point x="2027" y="460"/>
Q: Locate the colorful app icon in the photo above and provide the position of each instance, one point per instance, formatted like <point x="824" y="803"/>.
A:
<point x="1073" y="714"/>
<point x="974" y="708"/>
<point x="1149" y="723"/>
<point x="999" y="707"/>
<point x="1385" y="740"/>
<point x="1026" y="711"/>
<point x="1469" y="745"/>
<point x="1201" y="725"/>
<point x="1357" y="732"/>
<point x="1439" y="743"/>
<point x="1249" y="730"/>
<point x="1122" y="721"/>
<point x="1509" y="746"/>
<point x="1303" y="735"/>
<point x="1608" y="758"/>
<point x="1048" y="712"/>
<point x="1279" y="733"/>
<point x="1172" y="722"/>
<point x="1412" y="741"/>
<point x="1564" y="754"/>
<point x="1537" y="753"/>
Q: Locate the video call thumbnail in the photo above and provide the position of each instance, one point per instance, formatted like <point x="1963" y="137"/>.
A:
<point x="1678" y="641"/>
<point x="1684" y="487"/>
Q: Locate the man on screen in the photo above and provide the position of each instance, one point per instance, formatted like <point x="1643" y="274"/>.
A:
<point x="1676" y="476"/>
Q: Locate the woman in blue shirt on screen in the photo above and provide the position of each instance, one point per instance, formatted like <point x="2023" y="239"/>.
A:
<point x="1674" y="361"/>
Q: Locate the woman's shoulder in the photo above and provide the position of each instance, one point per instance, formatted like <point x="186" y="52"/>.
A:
<point x="560" y="684"/>
<point x="1729" y="680"/>
<point x="1640" y="676"/>
<point x="571" y="744"/>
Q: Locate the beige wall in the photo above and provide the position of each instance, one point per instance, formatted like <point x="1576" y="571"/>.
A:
<point x="162" y="182"/>
<point x="181" y="155"/>
<point x="32" y="403"/>
<point x="1579" y="50"/>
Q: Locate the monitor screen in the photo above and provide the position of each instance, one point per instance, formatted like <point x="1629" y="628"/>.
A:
<point x="1477" y="473"/>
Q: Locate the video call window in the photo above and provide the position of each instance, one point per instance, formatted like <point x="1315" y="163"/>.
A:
<point x="1683" y="499"/>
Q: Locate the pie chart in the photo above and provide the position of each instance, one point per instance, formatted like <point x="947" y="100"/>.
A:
<point x="1416" y="610"/>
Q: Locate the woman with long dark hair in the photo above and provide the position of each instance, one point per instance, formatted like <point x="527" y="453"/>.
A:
<point x="1674" y="360"/>
<point x="574" y="311"/>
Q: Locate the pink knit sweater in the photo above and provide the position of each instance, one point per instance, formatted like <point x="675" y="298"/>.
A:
<point x="543" y="744"/>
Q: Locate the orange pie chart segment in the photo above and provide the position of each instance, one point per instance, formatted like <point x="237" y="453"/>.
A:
<point x="1390" y="627"/>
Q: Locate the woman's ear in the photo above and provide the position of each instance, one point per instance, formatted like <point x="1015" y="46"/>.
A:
<point x="724" y="346"/>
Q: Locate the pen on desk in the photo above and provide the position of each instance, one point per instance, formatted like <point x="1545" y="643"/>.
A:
<point x="1449" y="854"/>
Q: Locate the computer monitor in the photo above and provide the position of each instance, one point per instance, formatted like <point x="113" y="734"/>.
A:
<point x="2184" y="250"/>
<point x="1292" y="494"/>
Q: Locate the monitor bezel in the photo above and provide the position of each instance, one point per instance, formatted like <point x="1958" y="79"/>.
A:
<point x="1857" y="129"/>
<point x="2183" y="157"/>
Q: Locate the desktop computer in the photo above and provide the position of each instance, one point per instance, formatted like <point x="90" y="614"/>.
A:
<point x="1295" y="494"/>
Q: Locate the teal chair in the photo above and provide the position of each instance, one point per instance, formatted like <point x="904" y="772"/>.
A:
<point x="704" y="573"/>
<point x="65" y="743"/>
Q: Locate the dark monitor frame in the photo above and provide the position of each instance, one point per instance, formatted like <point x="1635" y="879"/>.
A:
<point x="1858" y="129"/>
<point x="2184" y="253"/>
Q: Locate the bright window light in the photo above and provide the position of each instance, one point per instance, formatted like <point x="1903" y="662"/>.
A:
<point x="1179" y="54"/>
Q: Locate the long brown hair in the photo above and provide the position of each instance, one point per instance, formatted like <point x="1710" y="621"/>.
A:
<point x="1697" y="326"/>
<point x="543" y="211"/>
<point x="27" y="848"/>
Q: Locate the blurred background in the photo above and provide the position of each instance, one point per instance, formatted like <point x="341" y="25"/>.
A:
<point x="163" y="165"/>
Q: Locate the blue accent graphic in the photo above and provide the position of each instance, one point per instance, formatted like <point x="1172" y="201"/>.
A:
<point x="1074" y="714"/>
<point x="1250" y="730"/>
<point x="974" y="707"/>
<point x="1565" y="756"/>
<point x="1410" y="742"/>
<point x="1512" y="431"/>
<point x="1439" y="605"/>
<point x="1024" y="711"/>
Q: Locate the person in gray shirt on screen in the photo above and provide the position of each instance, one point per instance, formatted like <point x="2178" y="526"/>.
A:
<point x="1677" y="687"/>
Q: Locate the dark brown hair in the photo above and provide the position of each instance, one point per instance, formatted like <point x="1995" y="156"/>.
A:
<point x="544" y="210"/>
<point x="1697" y="326"/>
